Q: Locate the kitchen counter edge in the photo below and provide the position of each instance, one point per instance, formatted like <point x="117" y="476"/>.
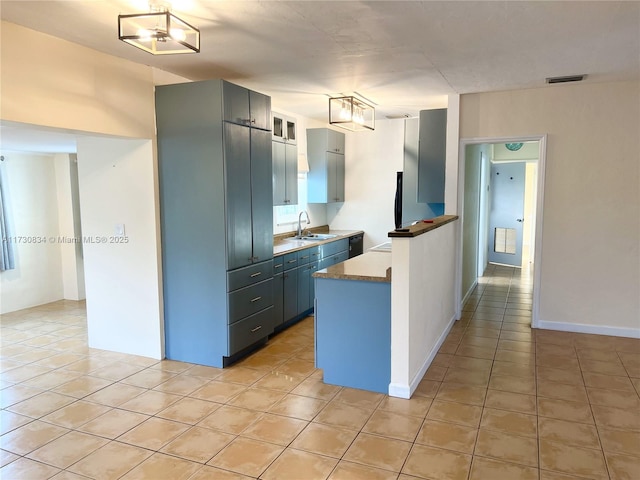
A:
<point x="368" y="267"/>
<point x="422" y="227"/>
<point x="282" y="247"/>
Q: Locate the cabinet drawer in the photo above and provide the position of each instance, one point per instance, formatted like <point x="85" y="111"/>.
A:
<point x="290" y="261"/>
<point x="249" y="300"/>
<point x="314" y="254"/>
<point x="334" y="248"/>
<point x="250" y="330"/>
<point x="278" y="264"/>
<point x="304" y="256"/>
<point x="249" y="275"/>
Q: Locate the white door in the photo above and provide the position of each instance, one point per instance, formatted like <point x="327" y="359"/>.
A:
<point x="507" y="213"/>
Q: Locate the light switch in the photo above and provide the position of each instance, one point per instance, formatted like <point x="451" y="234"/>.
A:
<point x="119" y="230"/>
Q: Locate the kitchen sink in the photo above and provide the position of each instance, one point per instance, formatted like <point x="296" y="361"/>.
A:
<point x="316" y="236"/>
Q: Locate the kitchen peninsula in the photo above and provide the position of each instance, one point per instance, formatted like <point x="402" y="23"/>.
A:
<point x="381" y="317"/>
<point x="353" y="322"/>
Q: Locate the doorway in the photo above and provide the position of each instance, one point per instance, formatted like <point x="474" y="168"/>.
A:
<point x="500" y="190"/>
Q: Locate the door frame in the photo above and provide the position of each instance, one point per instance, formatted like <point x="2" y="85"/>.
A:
<point x="537" y="253"/>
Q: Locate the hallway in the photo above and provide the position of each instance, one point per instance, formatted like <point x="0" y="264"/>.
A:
<point x="500" y="401"/>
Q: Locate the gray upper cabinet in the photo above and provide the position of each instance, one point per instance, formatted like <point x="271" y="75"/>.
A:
<point x="432" y="151"/>
<point x="216" y="219"/>
<point x="285" y="161"/>
<point x="325" y="152"/>
<point x="335" y="141"/>
<point x="285" y="173"/>
<point x="246" y="107"/>
<point x="284" y="128"/>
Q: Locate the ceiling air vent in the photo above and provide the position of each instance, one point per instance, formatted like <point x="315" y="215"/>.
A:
<point x="569" y="78"/>
<point x="397" y="116"/>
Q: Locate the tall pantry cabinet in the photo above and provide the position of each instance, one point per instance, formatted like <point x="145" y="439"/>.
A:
<point x="214" y="156"/>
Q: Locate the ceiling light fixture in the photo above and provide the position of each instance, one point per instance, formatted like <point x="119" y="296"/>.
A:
<point x="158" y="32"/>
<point x="351" y="113"/>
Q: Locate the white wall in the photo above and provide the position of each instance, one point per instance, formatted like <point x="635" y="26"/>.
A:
<point x="123" y="289"/>
<point x="590" y="280"/>
<point x="32" y="199"/>
<point x="423" y="285"/>
<point x="371" y="162"/>
<point x="471" y="218"/>
<point x="72" y="262"/>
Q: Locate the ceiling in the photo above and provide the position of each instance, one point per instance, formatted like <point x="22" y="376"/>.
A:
<point x="402" y="55"/>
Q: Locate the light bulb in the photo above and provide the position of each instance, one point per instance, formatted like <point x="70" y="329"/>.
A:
<point x="178" y="34"/>
<point x="144" y="34"/>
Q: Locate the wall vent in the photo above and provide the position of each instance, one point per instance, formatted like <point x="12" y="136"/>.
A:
<point x="568" y="78"/>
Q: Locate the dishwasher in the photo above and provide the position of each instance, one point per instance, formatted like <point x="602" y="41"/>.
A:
<point x="356" y="245"/>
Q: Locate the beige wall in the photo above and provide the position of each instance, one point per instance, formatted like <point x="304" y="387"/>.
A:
<point x="52" y="82"/>
<point x="590" y="275"/>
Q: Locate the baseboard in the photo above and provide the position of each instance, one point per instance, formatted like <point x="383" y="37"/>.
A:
<point x="595" y="329"/>
<point x="405" y="391"/>
<point x="468" y="294"/>
<point x="399" y="391"/>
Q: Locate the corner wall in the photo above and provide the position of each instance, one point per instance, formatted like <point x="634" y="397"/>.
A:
<point x="122" y="274"/>
<point x="590" y="280"/>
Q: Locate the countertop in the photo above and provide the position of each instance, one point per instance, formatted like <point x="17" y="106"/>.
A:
<point x="422" y="227"/>
<point x="369" y="267"/>
<point x="288" y="245"/>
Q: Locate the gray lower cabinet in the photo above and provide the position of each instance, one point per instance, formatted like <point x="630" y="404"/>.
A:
<point x="298" y="285"/>
<point x="325" y="153"/>
<point x="432" y="151"/>
<point x="290" y="292"/>
<point x="214" y="156"/>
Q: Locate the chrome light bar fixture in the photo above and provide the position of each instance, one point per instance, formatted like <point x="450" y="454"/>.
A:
<point x="158" y="32"/>
<point x="351" y="113"/>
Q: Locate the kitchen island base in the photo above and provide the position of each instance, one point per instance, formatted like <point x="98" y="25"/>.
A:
<point x="353" y="333"/>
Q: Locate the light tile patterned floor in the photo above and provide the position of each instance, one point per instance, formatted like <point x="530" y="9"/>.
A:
<point x="501" y="401"/>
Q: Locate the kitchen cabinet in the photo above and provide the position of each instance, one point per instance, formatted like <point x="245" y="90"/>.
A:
<point x="432" y="155"/>
<point x="285" y="173"/>
<point x="284" y="128"/>
<point x="290" y="286"/>
<point x="246" y="107"/>
<point x="308" y="261"/>
<point x="298" y="285"/>
<point x="214" y="157"/>
<point x="249" y="215"/>
<point x="325" y="153"/>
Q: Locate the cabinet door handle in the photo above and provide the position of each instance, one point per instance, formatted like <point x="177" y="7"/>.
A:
<point x="255" y="299"/>
<point x="292" y="261"/>
<point x="253" y="330"/>
<point x="253" y="120"/>
<point x="257" y="274"/>
<point x="304" y="256"/>
<point x="277" y="266"/>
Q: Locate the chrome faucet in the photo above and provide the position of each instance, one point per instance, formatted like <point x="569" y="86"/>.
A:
<point x="299" y="232"/>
